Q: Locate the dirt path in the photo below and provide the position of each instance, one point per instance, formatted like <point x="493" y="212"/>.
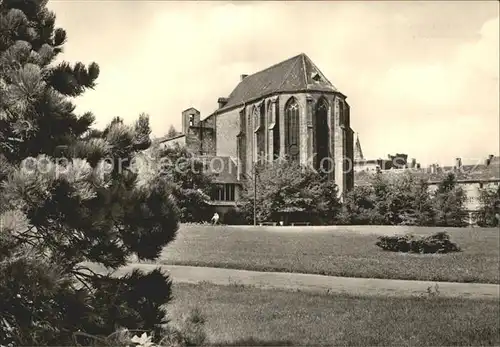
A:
<point x="317" y="283"/>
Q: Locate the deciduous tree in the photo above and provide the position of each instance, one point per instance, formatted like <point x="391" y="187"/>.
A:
<point x="489" y="210"/>
<point x="284" y="188"/>
<point x="449" y="203"/>
<point x="188" y="176"/>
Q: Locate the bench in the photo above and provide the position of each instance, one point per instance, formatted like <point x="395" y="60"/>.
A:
<point x="268" y="224"/>
<point x="294" y="224"/>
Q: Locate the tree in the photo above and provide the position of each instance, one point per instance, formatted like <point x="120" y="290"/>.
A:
<point x="489" y="207"/>
<point x="421" y="212"/>
<point x="69" y="195"/>
<point x="449" y="203"/>
<point x="188" y="176"/>
<point x="384" y="196"/>
<point x="411" y="201"/>
<point x="401" y="200"/>
<point x="375" y="203"/>
<point x="284" y="188"/>
<point x="172" y="131"/>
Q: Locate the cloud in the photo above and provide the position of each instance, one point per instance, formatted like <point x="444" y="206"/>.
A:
<point x="447" y="83"/>
<point x="446" y="108"/>
<point x="482" y="55"/>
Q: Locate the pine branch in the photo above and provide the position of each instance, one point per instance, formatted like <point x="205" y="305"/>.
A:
<point x="73" y="81"/>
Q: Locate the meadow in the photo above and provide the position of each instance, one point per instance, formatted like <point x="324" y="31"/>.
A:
<point x="336" y="251"/>
<point x="237" y="315"/>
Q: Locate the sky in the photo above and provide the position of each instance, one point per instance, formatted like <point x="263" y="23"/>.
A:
<point x="421" y="78"/>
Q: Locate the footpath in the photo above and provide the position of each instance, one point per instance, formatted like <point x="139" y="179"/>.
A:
<point x="316" y="283"/>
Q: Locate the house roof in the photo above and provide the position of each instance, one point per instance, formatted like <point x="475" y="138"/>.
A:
<point x="166" y="138"/>
<point x="467" y="173"/>
<point x="291" y="75"/>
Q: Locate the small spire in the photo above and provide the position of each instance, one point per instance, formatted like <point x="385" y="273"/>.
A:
<point x="358" y="152"/>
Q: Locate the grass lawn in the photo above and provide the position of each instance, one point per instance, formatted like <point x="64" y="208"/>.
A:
<point x="335" y="252"/>
<point x="236" y="313"/>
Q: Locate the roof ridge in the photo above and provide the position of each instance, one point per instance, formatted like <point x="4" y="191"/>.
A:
<point x="282" y="76"/>
<point x="287" y="74"/>
<point x="303" y="56"/>
<point x="320" y="72"/>
<point x="266" y="69"/>
<point x="279" y="63"/>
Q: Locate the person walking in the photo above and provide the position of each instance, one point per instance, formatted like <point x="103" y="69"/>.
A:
<point x="215" y="219"/>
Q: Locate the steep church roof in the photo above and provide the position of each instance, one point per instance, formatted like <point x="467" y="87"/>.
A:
<point x="294" y="74"/>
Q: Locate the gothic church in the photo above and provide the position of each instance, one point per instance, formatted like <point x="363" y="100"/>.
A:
<point x="289" y="110"/>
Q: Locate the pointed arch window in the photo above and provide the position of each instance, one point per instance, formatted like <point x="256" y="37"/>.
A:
<point x="259" y="132"/>
<point x="322" y="135"/>
<point x="292" y="133"/>
<point x="341" y="113"/>
<point x="274" y="127"/>
<point x="256" y="119"/>
<point x="241" y="143"/>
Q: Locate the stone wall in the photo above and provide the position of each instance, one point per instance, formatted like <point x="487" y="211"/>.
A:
<point x="228" y="128"/>
<point x="253" y="144"/>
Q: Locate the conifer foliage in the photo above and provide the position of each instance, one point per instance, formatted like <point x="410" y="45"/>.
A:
<point x="69" y="196"/>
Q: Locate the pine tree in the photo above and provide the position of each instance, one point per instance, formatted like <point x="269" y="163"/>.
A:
<point x="70" y="196"/>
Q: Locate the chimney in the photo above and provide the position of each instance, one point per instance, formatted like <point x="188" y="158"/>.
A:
<point x="487" y="162"/>
<point x="433" y="168"/>
<point x="222" y="102"/>
<point x="458" y="163"/>
<point x="418" y="165"/>
<point x="242" y="77"/>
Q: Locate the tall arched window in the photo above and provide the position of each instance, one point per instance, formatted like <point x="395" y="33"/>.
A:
<point x="259" y="128"/>
<point x="241" y="144"/>
<point x="274" y="126"/>
<point x="292" y="134"/>
<point x="322" y="162"/>
<point x="261" y="135"/>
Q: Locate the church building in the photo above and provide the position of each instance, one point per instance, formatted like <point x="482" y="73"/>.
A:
<point x="288" y="110"/>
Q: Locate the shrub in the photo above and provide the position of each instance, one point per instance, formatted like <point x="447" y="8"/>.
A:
<point x="435" y="243"/>
<point x="236" y="217"/>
